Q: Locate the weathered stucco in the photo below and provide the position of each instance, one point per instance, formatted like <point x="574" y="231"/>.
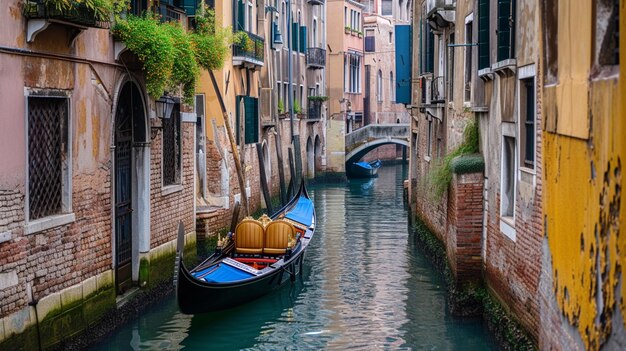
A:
<point x="584" y="147"/>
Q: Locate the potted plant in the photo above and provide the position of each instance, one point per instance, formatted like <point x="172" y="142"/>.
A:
<point x="348" y="29"/>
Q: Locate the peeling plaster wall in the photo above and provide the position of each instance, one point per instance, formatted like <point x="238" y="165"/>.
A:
<point x="583" y="207"/>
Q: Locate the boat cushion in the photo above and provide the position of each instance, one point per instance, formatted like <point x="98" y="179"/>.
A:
<point x="249" y="237"/>
<point x="225" y="273"/>
<point x="279" y="235"/>
<point x="302" y="212"/>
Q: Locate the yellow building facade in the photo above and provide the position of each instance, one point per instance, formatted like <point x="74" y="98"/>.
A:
<point x="583" y="105"/>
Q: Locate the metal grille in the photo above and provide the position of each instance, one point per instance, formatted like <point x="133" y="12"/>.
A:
<point x="47" y="148"/>
<point x="171" y="148"/>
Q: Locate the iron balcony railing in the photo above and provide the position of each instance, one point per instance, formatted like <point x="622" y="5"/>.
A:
<point x="437" y="93"/>
<point x="316" y="57"/>
<point x="251" y="51"/>
<point x="314" y="110"/>
<point x="78" y="13"/>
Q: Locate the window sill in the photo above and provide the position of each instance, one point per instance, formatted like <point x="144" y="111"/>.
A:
<point x="507" y="227"/>
<point x="505" y="67"/>
<point x="485" y="74"/>
<point x="170" y="189"/>
<point x="48" y="223"/>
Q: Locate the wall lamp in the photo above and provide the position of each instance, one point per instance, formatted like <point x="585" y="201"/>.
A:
<point x="164" y="107"/>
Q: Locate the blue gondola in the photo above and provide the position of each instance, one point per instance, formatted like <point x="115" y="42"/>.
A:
<point x="250" y="262"/>
<point x="364" y="169"/>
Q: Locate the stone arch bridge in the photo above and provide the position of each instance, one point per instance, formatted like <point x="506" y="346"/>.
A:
<point x="363" y="140"/>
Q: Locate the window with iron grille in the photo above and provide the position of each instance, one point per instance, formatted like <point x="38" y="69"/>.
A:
<point x="48" y="159"/>
<point x="172" y="151"/>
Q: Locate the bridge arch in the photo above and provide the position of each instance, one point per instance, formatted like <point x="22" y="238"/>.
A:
<point x="357" y="153"/>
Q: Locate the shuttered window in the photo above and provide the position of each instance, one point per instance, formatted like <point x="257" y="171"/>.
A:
<point x="483" y="34"/>
<point x="240" y="20"/>
<point x="303" y="43"/>
<point x="249" y="117"/>
<point x="506" y="29"/>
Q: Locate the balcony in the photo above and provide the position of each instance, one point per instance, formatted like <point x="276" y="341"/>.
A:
<point x="316" y="57"/>
<point x="440" y="13"/>
<point x="316" y="2"/>
<point x="250" y="53"/>
<point x="314" y="110"/>
<point x="76" y="16"/>
<point x="170" y="13"/>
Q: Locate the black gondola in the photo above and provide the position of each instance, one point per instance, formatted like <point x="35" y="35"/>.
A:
<point x="364" y="169"/>
<point x="242" y="269"/>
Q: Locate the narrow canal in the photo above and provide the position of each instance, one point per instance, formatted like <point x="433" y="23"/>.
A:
<point x="365" y="285"/>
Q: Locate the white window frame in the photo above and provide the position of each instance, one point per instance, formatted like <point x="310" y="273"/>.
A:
<point x="526" y="72"/>
<point x="67" y="215"/>
<point x="468" y="19"/>
<point x="507" y="223"/>
<point x="249" y="17"/>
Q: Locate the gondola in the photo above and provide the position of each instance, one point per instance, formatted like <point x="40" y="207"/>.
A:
<point x="364" y="169"/>
<point x="257" y="258"/>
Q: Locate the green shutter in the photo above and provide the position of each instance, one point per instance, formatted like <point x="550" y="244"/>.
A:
<point x="294" y="36"/>
<point x="241" y="16"/>
<point x="483" y="34"/>
<point x="303" y="44"/>
<point x="505" y="32"/>
<point x="190" y="7"/>
<point x="237" y="117"/>
<point x="252" y="120"/>
<point x="430" y="51"/>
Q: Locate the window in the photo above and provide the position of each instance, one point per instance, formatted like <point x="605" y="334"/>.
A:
<point x="387" y="8"/>
<point x="314" y="34"/>
<point x="429" y="148"/>
<point x="390" y="37"/>
<point x="550" y="38"/>
<point x="506" y="29"/>
<point x="354" y="73"/>
<point x="451" y="65"/>
<point x="607" y="32"/>
<point x="48" y="157"/>
<point x="507" y="190"/>
<point x="527" y="117"/>
<point x="468" y="60"/>
<point x="172" y="148"/>
<point x="345" y="17"/>
<point x="370" y="41"/>
<point x="392" y="90"/>
<point x="428" y="47"/>
<point x="250" y="118"/>
<point x="483" y="34"/>
<point x="379" y="86"/>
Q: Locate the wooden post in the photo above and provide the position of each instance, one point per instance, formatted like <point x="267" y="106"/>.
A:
<point x="235" y="219"/>
<point x="292" y="170"/>
<point x="264" y="188"/>
<point x="281" y="168"/>
<point x="233" y="145"/>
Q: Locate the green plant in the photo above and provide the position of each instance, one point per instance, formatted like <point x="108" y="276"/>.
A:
<point x="185" y="69"/>
<point x="210" y="41"/>
<point x="318" y="98"/>
<point x="281" y="106"/>
<point x="153" y="46"/>
<point x="101" y="9"/>
<point x="243" y="40"/>
<point x="348" y="28"/>
<point x="441" y="175"/>
<point x="296" y="107"/>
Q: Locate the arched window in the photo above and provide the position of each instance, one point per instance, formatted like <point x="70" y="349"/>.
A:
<point x="379" y="86"/>
<point x="392" y="88"/>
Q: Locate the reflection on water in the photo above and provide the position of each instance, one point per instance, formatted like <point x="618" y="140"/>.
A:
<point x="365" y="285"/>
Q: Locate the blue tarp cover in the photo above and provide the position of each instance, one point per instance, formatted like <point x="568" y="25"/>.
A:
<point x="302" y="212"/>
<point x="364" y="165"/>
<point x="224" y="273"/>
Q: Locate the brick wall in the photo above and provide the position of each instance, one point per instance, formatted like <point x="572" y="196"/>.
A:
<point x="166" y="210"/>
<point x="464" y="233"/>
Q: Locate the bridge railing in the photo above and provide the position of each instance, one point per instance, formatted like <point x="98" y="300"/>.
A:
<point x="376" y="131"/>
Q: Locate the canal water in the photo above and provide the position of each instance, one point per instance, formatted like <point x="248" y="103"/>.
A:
<point x="365" y="285"/>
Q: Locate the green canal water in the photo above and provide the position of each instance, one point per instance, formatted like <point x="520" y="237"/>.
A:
<point x="365" y="285"/>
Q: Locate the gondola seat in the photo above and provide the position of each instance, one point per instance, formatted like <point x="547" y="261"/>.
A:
<point x="249" y="237"/>
<point x="279" y="236"/>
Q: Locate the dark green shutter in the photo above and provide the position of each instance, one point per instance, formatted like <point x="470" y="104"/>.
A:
<point x="190" y="7"/>
<point x="237" y="118"/>
<point x="506" y="12"/>
<point x="303" y="44"/>
<point x="421" y="48"/>
<point x="241" y="16"/>
<point x="483" y="34"/>
<point x="430" y="51"/>
<point x="252" y="119"/>
<point x="294" y="36"/>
